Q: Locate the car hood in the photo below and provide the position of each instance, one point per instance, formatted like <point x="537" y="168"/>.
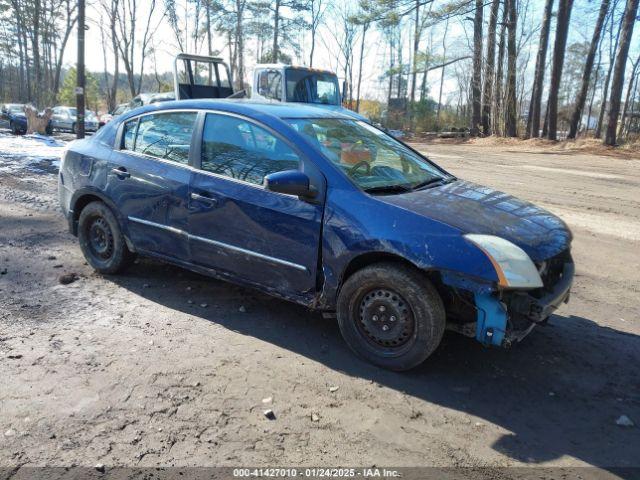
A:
<point x="473" y="208"/>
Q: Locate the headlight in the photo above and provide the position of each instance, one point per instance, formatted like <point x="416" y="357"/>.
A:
<point x="513" y="266"/>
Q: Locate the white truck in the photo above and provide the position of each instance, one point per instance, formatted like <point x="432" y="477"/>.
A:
<point x="199" y="76"/>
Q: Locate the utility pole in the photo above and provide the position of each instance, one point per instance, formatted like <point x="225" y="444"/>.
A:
<point x="80" y="73"/>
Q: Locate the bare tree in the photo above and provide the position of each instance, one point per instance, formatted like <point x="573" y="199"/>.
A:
<point x="562" y="29"/>
<point x="511" y="117"/>
<point x="499" y="96"/>
<point x="629" y="97"/>
<point x="487" y="96"/>
<point x="476" y="82"/>
<point x="317" y="10"/>
<point x="628" y="22"/>
<point x="533" y="121"/>
<point x="365" y="27"/>
<point x="613" y="47"/>
<point x="588" y="67"/>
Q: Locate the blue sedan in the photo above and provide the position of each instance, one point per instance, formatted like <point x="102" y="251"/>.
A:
<point x="322" y="209"/>
<point x="14" y="113"/>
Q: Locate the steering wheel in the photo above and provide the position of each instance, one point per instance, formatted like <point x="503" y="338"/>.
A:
<point x="356" y="167"/>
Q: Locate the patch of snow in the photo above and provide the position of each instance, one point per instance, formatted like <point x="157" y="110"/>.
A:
<point x="35" y="153"/>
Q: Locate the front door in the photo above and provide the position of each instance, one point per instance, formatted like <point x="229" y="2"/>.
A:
<point x="148" y="178"/>
<point x="236" y="226"/>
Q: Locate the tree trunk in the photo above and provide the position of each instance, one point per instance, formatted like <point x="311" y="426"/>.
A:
<point x="416" y="46"/>
<point x="476" y="80"/>
<point x="535" y="107"/>
<point x="35" y="48"/>
<point x="487" y="97"/>
<point x="607" y="81"/>
<point x="586" y="74"/>
<point x="562" y="28"/>
<point x="209" y="43"/>
<point x="511" y="116"/>
<point x="595" y="85"/>
<point x="365" y="26"/>
<point x="240" y="42"/>
<point x="499" y="96"/>
<point x="628" y="21"/>
<point x="625" y="109"/>
<point x="444" y="60"/>
<point x="276" y="25"/>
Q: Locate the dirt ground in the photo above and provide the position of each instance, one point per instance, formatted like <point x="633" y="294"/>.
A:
<point x="161" y="366"/>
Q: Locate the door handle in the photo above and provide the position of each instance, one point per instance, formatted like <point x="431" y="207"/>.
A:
<point x="202" y="198"/>
<point x="121" y="172"/>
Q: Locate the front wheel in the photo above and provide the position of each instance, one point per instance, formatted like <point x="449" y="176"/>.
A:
<point x="101" y="239"/>
<point x="74" y="129"/>
<point x="391" y="315"/>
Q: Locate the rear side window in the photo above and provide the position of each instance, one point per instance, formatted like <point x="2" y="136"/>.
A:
<point x="270" y="84"/>
<point x="129" y="134"/>
<point x="242" y="150"/>
<point x="164" y="135"/>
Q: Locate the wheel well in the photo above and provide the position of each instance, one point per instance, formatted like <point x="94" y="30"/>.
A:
<point x="367" y="259"/>
<point x="79" y="205"/>
<point x="372" y="258"/>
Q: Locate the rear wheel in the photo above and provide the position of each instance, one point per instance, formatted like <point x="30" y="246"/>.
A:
<point x="14" y="128"/>
<point x="101" y="239"/>
<point x="74" y="128"/>
<point x="391" y="315"/>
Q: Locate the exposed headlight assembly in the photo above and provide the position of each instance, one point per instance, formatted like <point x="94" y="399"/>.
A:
<point x="513" y="266"/>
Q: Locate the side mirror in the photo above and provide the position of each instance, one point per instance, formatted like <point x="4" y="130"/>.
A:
<point x="291" y="182"/>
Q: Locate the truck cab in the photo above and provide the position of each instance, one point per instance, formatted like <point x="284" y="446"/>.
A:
<point x="286" y="83"/>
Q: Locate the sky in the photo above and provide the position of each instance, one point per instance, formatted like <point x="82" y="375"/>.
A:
<point x="457" y="40"/>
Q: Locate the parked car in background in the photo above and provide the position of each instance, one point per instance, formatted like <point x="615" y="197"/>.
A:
<point x="149" y="98"/>
<point x="15" y="116"/>
<point x="107" y="117"/>
<point x="319" y="208"/>
<point x="65" y="119"/>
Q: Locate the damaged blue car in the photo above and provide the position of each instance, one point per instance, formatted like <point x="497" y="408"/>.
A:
<point x="316" y="207"/>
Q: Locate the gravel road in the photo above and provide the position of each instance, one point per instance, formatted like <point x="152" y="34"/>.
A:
<point x="161" y="366"/>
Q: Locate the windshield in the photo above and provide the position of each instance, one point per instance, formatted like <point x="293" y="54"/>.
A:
<point x="373" y="160"/>
<point x="16" y="108"/>
<point x="312" y="87"/>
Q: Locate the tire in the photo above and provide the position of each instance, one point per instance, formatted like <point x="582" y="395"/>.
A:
<point x="400" y="299"/>
<point x="74" y="128"/>
<point x="14" y="129"/>
<point x="101" y="239"/>
<point x="49" y="130"/>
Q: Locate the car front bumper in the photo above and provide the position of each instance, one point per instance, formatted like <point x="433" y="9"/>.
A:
<point x="506" y="320"/>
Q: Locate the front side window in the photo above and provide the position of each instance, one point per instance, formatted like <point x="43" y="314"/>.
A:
<point x="242" y="150"/>
<point x="373" y="160"/>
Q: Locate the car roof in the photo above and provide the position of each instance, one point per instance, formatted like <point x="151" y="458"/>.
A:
<point x="248" y="108"/>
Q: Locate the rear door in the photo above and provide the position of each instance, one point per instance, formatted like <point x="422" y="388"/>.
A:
<point x="236" y="226"/>
<point x="149" y="177"/>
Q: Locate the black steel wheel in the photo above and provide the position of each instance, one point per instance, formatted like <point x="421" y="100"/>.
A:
<point x="391" y="315"/>
<point x="385" y="319"/>
<point x="101" y="239"/>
